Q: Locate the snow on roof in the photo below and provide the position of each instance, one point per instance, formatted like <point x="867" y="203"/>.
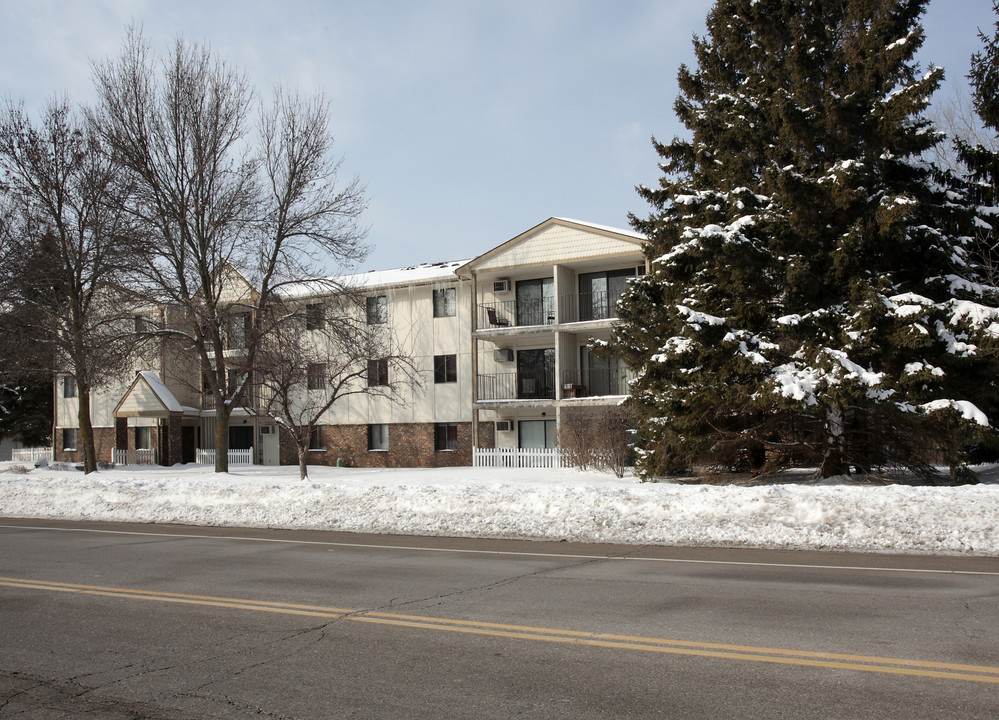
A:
<point x="162" y="392"/>
<point x="605" y="228"/>
<point x="425" y="272"/>
<point x="412" y="275"/>
<point x="415" y="274"/>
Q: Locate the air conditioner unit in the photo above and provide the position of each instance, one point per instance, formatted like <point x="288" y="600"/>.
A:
<point x="503" y="355"/>
<point x="501" y="286"/>
<point x="504" y="425"/>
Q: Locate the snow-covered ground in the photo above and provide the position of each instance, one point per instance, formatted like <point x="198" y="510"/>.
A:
<point x="536" y="504"/>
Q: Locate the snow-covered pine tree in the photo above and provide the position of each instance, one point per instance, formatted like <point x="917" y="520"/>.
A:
<point x="981" y="162"/>
<point x="811" y="298"/>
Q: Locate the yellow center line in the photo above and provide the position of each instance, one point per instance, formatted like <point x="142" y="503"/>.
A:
<point x="751" y="653"/>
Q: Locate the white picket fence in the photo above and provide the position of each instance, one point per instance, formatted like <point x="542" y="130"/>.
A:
<point x="134" y="457"/>
<point x="518" y="457"/>
<point x="236" y="457"/>
<point x="31" y="455"/>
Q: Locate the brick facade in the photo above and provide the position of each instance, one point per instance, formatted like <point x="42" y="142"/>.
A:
<point x="410" y="445"/>
<point x="103" y="443"/>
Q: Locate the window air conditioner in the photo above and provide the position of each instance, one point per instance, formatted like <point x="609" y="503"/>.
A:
<point x="503" y="355"/>
<point x="504" y="425"/>
<point x="501" y="286"/>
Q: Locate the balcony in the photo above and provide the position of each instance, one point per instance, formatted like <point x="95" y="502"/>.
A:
<point x="517" y="313"/>
<point x="586" y="307"/>
<point x="254" y="397"/>
<point x="517" y="386"/>
<point x="595" y="382"/>
<point x="577" y="307"/>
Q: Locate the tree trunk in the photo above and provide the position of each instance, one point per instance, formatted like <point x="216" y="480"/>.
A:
<point x="303" y="467"/>
<point x="86" y="431"/>
<point x="222" y="412"/>
<point x="834" y="461"/>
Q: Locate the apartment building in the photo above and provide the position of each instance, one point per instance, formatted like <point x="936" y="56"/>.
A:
<point x="539" y="300"/>
<point x="499" y="342"/>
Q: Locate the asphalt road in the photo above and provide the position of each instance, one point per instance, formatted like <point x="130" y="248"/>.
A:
<point x="174" y="623"/>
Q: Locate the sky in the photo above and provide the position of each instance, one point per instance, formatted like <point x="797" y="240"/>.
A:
<point x="468" y="121"/>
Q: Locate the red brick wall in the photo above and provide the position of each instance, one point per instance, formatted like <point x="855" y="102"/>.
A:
<point x="103" y="444"/>
<point x="410" y="445"/>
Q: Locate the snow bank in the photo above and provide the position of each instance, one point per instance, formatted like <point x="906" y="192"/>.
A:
<point x="535" y="504"/>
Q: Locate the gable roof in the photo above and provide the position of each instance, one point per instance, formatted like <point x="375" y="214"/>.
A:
<point x="147" y="396"/>
<point x="557" y="239"/>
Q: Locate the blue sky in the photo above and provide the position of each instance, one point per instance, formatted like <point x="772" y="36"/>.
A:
<point x="468" y="121"/>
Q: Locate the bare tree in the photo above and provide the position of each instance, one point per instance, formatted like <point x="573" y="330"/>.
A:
<point x="68" y="244"/>
<point x="322" y="351"/>
<point x="957" y="119"/>
<point x="223" y="203"/>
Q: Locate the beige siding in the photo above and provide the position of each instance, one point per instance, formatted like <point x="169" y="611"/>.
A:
<point x="421" y="336"/>
<point x="557" y="244"/>
<point x="141" y="401"/>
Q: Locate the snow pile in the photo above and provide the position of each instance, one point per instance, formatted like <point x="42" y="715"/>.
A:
<point x="535" y="504"/>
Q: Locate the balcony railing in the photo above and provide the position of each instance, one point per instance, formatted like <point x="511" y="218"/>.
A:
<point x="517" y="313"/>
<point x="517" y="386"/>
<point x="581" y="307"/>
<point x="577" y="307"/>
<point x="252" y="397"/>
<point x="592" y="383"/>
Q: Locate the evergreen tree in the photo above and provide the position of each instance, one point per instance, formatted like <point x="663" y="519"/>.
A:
<point x="812" y="296"/>
<point x="982" y="163"/>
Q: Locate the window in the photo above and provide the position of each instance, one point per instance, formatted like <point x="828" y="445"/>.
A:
<point x="239" y="330"/>
<point x="69" y="387"/>
<point x="378" y="372"/>
<point x="536" y="302"/>
<point x="143" y="438"/>
<point x="444" y="302"/>
<point x="69" y="438"/>
<point x="537" y="434"/>
<point x="603" y="375"/>
<point x="315" y="316"/>
<point x="445" y="368"/>
<point x="378" y="437"/>
<point x="317" y="376"/>
<point x="446" y="436"/>
<point x="599" y="293"/>
<point x="377" y="310"/>
<point x="316" y="439"/>
<point x="142" y="324"/>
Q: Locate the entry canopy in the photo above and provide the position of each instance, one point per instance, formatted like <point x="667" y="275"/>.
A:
<point x="147" y="396"/>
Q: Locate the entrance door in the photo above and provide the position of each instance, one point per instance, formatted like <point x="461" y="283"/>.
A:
<point x="187" y="444"/>
<point x="270" y="447"/>
<point x="240" y="437"/>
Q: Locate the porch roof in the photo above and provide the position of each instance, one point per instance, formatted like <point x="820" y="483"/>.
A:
<point x="147" y="396"/>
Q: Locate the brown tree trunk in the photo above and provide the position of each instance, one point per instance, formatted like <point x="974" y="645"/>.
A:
<point x="86" y="431"/>
<point x="221" y="435"/>
<point x="303" y="467"/>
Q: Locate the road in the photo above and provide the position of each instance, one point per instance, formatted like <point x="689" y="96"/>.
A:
<point x="171" y="623"/>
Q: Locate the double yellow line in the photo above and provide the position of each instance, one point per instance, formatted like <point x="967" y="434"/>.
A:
<point x="839" y="661"/>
